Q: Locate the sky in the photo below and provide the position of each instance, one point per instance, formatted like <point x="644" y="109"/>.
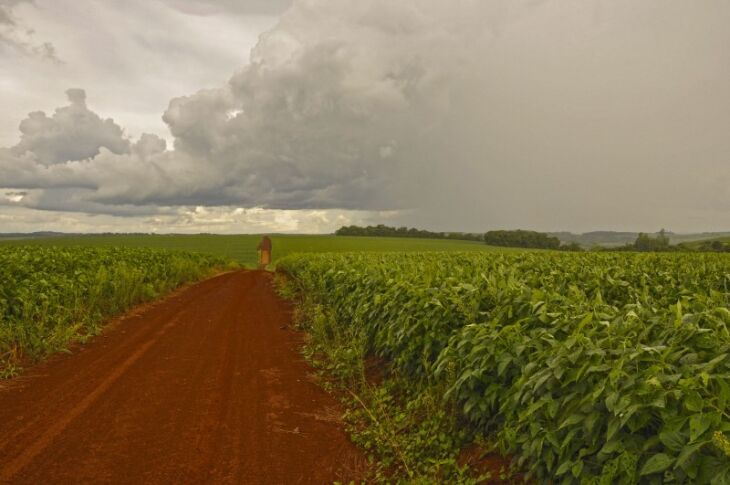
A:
<point x="305" y="115"/>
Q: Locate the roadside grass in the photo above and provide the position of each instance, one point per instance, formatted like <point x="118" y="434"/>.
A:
<point x="242" y="247"/>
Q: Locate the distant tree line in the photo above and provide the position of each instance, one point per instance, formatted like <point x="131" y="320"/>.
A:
<point x="521" y="238"/>
<point x="386" y="231"/>
<point x="647" y="243"/>
<point x="660" y="243"/>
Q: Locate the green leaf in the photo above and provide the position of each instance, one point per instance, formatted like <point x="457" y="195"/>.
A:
<point x="611" y="446"/>
<point x="673" y="440"/>
<point x="563" y="468"/>
<point x="711" y="364"/>
<point x="572" y="419"/>
<point x="687" y="452"/>
<point x="655" y="464"/>
<point x="611" y="400"/>
<point x="577" y="468"/>
<point x="698" y="424"/>
<point x="722" y="478"/>
<point x="503" y="365"/>
<point x="693" y="401"/>
<point x="724" y="394"/>
<point x="613" y="426"/>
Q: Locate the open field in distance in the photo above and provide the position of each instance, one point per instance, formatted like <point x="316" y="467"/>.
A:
<point x="242" y="248"/>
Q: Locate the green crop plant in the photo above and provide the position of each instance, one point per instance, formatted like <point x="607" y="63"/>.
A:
<point x="586" y="368"/>
<point x="51" y="296"/>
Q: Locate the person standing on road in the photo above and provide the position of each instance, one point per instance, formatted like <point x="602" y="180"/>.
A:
<point x="264" y="249"/>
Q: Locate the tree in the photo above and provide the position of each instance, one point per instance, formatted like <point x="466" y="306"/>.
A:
<point x="382" y="230"/>
<point x="521" y="239"/>
<point x="645" y="242"/>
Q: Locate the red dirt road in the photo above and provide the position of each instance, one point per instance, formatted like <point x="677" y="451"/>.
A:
<point x="206" y="386"/>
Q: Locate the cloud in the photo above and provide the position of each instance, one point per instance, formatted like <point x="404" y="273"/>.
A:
<point x="73" y="133"/>
<point x="303" y="126"/>
<point x="149" y="146"/>
<point x="455" y="115"/>
<point x="6" y="17"/>
<point x="15" y="196"/>
<point x="227" y="220"/>
<point x="214" y="7"/>
<point x="16" y="36"/>
<point x="130" y="57"/>
<point x="314" y="119"/>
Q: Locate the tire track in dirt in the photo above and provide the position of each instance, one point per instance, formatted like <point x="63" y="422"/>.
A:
<point x="206" y="386"/>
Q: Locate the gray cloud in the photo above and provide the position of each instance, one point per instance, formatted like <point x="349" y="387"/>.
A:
<point x="14" y="35"/>
<point x="132" y="57"/>
<point x="6" y="16"/>
<point x="455" y="115"/>
<point x="72" y="133"/>
<point x="247" y="7"/>
<point x="316" y="119"/>
<point x="149" y="146"/>
<point x="232" y="220"/>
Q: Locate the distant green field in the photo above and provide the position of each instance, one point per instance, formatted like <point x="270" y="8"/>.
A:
<point x="242" y="248"/>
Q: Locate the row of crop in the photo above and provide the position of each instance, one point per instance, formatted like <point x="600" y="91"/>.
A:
<point x="593" y="368"/>
<point x="50" y="296"/>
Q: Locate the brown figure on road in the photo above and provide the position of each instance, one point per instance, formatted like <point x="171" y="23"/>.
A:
<point x="264" y="249"/>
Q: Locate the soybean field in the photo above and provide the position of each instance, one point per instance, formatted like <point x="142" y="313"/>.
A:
<point x="51" y="296"/>
<point x="242" y="247"/>
<point x="585" y="368"/>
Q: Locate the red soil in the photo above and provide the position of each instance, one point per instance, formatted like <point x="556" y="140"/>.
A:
<point x="206" y="386"/>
